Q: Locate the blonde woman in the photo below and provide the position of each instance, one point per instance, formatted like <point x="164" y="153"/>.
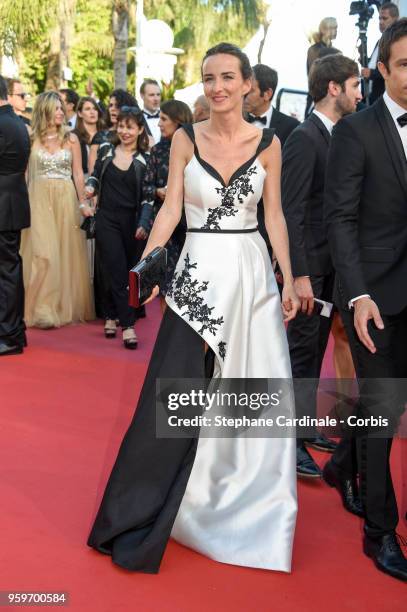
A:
<point x="56" y="274"/>
<point x="327" y="31"/>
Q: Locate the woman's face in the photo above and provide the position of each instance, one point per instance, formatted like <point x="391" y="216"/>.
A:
<point x="59" y="115"/>
<point x="167" y="126"/>
<point x="223" y="82"/>
<point x="89" y="113"/>
<point x="113" y="110"/>
<point x="128" y="131"/>
<point x="331" y="31"/>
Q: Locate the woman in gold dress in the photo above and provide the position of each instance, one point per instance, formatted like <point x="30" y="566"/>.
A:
<point x="56" y="272"/>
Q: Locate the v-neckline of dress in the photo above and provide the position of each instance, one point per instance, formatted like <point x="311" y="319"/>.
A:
<point x="212" y="170"/>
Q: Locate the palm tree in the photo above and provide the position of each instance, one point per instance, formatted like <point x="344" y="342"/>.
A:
<point x="120" y="29"/>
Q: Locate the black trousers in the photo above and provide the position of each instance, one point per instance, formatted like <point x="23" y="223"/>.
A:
<point x="119" y="252"/>
<point x="307" y="341"/>
<point x="12" y="325"/>
<point x="367" y="455"/>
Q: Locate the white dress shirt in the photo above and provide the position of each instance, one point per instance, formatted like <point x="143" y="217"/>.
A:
<point x="152" y="123"/>
<point x="396" y="111"/>
<point x="72" y="122"/>
<point x="328" y="123"/>
<point x="268" y="115"/>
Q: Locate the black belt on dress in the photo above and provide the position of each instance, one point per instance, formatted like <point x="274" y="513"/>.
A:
<point x="222" y="231"/>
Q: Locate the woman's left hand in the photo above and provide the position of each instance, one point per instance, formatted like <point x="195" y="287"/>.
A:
<point x="290" y="302"/>
<point x="87" y="211"/>
<point x="141" y="233"/>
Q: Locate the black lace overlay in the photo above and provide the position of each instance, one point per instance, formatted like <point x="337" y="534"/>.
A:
<point x="186" y="293"/>
<point x="222" y="349"/>
<point x="239" y="188"/>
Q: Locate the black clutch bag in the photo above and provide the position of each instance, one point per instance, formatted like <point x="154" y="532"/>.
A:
<point x="89" y="226"/>
<point x="149" y="272"/>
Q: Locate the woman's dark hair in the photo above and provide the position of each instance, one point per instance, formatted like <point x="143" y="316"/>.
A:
<point x="336" y="68"/>
<point x="177" y="111"/>
<point x="80" y="129"/>
<point x="391" y="35"/>
<point x="229" y="49"/>
<point x="128" y="114"/>
<point x="123" y="98"/>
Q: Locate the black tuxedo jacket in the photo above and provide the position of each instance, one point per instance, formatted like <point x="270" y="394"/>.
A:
<point x="366" y="209"/>
<point x="283" y="126"/>
<point x="302" y="193"/>
<point x="14" y="154"/>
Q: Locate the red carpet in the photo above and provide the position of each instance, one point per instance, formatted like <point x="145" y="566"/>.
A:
<point x="65" y="404"/>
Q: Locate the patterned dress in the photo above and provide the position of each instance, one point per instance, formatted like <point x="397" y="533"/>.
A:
<point x="232" y="499"/>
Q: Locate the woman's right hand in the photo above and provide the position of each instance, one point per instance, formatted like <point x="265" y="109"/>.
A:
<point x="154" y="294"/>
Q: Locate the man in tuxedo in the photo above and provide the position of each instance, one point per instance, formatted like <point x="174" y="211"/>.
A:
<point x="151" y="94"/>
<point x="334" y="87"/>
<point x="258" y="104"/>
<point x="14" y="216"/>
<point x="71" y="100"/>
<point x="388" y="14"/>
<point x="262" y="114"/>
<point x="366" y="218"/>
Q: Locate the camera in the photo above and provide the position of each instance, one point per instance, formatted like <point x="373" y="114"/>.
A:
<point x="365" y="10"/>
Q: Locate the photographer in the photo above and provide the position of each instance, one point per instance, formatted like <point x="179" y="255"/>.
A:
<point x="388" y="14"/>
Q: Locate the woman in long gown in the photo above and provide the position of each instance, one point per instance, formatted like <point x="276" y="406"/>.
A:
<point x="232" y="499"/>
<point x="54" y="252"/>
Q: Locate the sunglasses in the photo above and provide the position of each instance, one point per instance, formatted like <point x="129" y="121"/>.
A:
<point x="131" y="109"/>
<point x="21" y="95"/>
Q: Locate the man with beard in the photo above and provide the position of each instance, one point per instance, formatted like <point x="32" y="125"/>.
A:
<point x="334" y="87"/>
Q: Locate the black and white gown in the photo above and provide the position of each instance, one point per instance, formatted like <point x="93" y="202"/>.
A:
<point x="232" y="499"/>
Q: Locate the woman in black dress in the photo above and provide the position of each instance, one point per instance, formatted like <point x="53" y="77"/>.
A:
<point x="88" y="124"/>
<point x="122" y="221"/>
<point x="103" y="298"/>
<point x="173" y="113"/>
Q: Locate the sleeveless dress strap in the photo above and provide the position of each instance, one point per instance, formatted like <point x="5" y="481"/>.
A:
<point x="266" y="140"/>
<point x="188" y="128"/>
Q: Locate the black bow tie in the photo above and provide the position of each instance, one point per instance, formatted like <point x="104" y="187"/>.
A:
<point x="252" y="118"/>
<point x="156" y="116"/>
<point x="402" y="120"/>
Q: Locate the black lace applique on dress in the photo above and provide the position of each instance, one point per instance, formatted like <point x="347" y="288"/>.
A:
<point x="222" y="350"/>
<point x="185" y="291"/>
<point x="240" y="188"/>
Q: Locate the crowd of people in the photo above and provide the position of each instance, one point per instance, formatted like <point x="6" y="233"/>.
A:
<point x="207" y="186"/>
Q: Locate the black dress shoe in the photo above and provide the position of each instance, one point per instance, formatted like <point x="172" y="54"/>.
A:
<point x="347" y="487"/>
<point x="306" y="466"/>
<point x="321" y="443"/>
<point x="9" y="349"/>
<point x="386" y="554"/>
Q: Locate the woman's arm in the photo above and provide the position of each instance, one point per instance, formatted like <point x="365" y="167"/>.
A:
<point x="276" y="225"/>
<point x="77" y="171"/>
<point x="77" y="174"/>
<point x="170" y="212"/>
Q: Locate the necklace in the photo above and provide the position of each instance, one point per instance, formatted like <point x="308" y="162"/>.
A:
<point x="52" y="136"/>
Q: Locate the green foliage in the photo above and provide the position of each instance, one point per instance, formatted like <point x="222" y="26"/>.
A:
<point x="92" y="48"/>
<point x="200" y="24"/>
<point x="25" y="27"/>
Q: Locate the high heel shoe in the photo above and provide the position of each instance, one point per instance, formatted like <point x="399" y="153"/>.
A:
<point x="129" y="338"/>
<point x="110" y="328"/>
